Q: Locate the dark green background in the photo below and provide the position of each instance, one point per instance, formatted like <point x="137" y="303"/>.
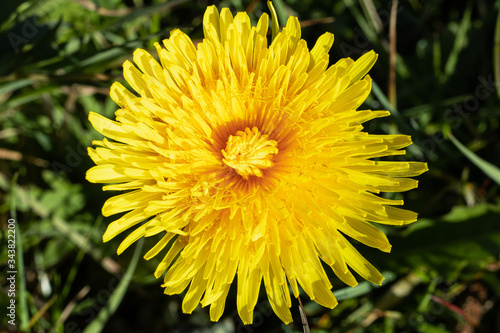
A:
<point x="58" y="59"/>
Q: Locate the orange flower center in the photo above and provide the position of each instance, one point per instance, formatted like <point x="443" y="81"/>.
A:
<point x="249" y="152"/>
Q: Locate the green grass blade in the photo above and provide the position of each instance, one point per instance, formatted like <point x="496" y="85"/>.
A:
<point x="84" y="244"/>
<point x="281" y="11"/>
<point x="350" y="292"/>
<point x="362" y="288"/>
<point x="385" y="101"/>
<point x="400" y="120"/>
<point x="436" y="56"/>
<point x="275" y="26"/>
<point x="28" y="96"/>
<point x="59" y="326"/>
<point x="489" y="169"/>
<point x="76" y="238"/>
<point x="362" y="22"/>
<point x="10" y="86"/>
<point x="466" y="234"/>
<point x="459" y="44"/>
<point x="372" y="15"/>
<point x="423" y="109"/>
<point x="97" y="325"/>
<point x="496" y="53"/>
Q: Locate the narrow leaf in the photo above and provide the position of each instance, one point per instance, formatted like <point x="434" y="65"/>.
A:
<point x="97" y="325"/>
<point x="275" y="26"/>
<point x="459" y="44"/>
<point x="489" y="169"/>
<point x="496" y="53"/>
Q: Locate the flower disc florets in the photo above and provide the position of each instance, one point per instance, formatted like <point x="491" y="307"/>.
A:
<point x="249" y="152"/>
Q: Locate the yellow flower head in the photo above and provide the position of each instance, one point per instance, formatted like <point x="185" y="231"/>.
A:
<point x="251" y="161"/>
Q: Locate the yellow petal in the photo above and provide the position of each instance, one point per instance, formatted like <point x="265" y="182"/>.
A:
<point x="125" y="222"/>
<point x="159" y="246"/>
<point x="321" y="48"/>
<point x="361" y="66"/>
<point x="360" y="264"/>
<point x="211" y="28"/>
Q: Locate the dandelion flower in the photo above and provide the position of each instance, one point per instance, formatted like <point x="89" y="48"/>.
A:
<point x="251" y="162"/>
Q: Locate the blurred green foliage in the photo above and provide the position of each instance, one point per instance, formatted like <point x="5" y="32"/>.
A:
<point x="58" y="59"/>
